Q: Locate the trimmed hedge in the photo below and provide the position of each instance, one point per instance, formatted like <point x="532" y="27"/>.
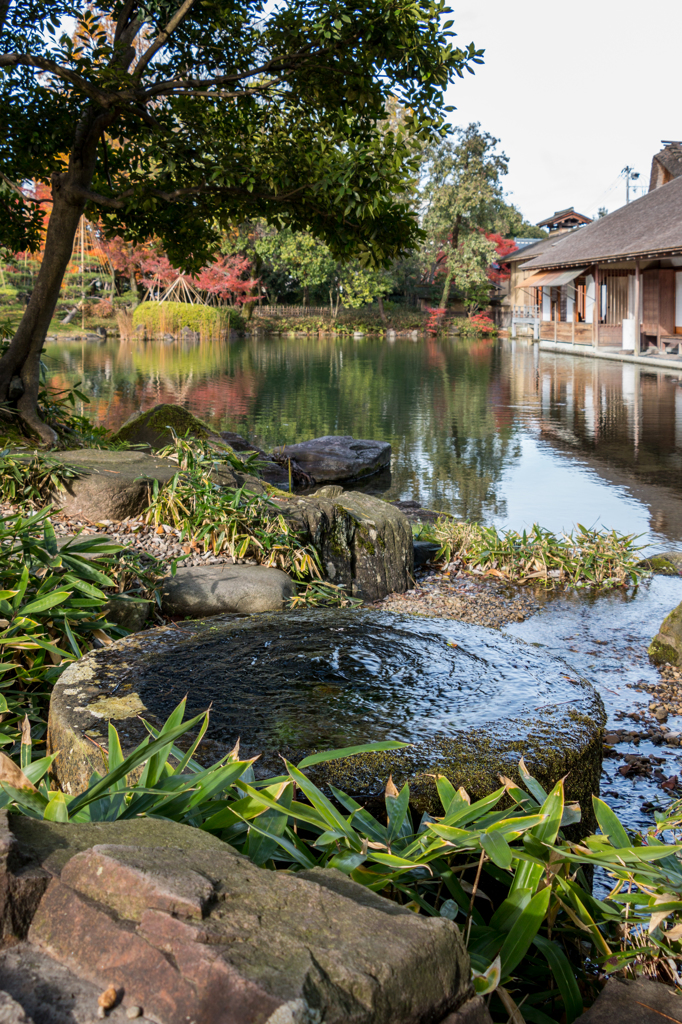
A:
<point x="171" y="317"/>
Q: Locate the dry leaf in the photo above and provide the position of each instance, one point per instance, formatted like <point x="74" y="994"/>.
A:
<point x="515" y="1015"/>
<point x="234" y="753"/>
<point x="13" y="775"/>
<point x="101" y="635"/>
<point x="26" y="732"/>
<point x="390" y="787"/>
<point x="108" y="998"/>
<point x="674" y="934"/>
<point x="4" y="623"/>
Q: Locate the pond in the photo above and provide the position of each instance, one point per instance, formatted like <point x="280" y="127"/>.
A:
<point x="494" y="431"/>
<point x="491" y="431"/>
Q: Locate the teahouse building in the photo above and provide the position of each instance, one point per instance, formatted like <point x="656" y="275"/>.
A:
<point x="616" y="282"/>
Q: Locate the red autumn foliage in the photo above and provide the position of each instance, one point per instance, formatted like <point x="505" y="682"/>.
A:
<point x="499" y="271"/>
<point x="228" y="279"/>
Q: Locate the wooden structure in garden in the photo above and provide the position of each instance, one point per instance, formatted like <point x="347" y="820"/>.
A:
<point x="564" y="220"/>
<point x="616" y="282"/>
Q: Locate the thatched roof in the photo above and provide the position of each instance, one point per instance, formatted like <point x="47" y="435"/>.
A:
<point x="670" y="161"/>
<point x="648" y="227"/>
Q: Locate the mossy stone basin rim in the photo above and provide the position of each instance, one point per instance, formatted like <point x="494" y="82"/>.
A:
<point x="470" y="701"/>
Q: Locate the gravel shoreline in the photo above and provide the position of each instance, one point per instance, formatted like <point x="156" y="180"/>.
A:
<point x="449" y="593"/>
<point x="160" y="542"/>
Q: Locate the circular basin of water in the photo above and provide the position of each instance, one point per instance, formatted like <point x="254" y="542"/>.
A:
<point x="470" y="701"/>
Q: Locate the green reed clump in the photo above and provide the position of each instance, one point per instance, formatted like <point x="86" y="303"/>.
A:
<point x="583" y="558"/>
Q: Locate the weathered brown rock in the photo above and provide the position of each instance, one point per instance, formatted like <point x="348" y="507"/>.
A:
<point x="365" y="544"/>
<point x="186" y="928"/>
<point x="634" y="1002"/>
<point x="43" y="991"/>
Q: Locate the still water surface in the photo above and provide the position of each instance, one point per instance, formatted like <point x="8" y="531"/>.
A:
<point x="491" y="431"/>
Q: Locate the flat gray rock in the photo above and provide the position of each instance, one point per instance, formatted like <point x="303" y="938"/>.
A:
<point x="634" y="1002"/>
<point x="110" y="485"/>
<point x="338" y="457"/>
<point x="217" y="589"/>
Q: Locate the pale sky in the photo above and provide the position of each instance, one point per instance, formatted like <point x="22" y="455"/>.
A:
<point x="574" y="91"/>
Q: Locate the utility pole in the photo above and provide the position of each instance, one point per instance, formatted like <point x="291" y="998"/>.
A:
<point x="630" y="175"/>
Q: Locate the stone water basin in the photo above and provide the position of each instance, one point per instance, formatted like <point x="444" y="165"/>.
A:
<point x="470" y="701"/>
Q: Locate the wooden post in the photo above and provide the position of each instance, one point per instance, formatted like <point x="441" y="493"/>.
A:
<point x="638" y="307"/>
<point x="555" y="325"/>
<point x="597" y="308"/>
<point x="573" y="330"/>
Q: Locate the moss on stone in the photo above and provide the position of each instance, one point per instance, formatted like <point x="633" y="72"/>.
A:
<point x="152" y="427"/>
<point x="662" y="653"/>
<point x="660" y="565"/>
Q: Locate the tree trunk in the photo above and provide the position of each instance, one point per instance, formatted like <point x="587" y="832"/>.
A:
<point x="306" y="296"/>
<point x="446" y="290"/>
<point x="454" y="243"/>
<point x="134" y="291"/>
<point x="380" y="303"/>
<point x="23" y="356"/>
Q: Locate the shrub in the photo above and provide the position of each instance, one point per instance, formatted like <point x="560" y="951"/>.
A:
<point x="475" y="325"/>
<point x="172" y="317"/>
<point x="104" y="309"/>
<point x="53" y="604"/>
<point x="233" y="521"/>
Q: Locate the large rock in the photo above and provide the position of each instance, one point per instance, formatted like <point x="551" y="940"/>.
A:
<point x="364" y="543"/>
<point x="666" y="646"/>
<point x="638" y="1001"/>
<point x="470" y="702"/>
<point x="114" y="485"/>
<point x="155" y="427"/>
<point x="337" y="457"/>
<point x="217" y="589"/>
<point x="110" y="485"/>
<point x="189" y="930"/>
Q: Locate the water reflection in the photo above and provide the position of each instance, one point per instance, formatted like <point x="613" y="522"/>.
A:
<point x="493" y="431"/>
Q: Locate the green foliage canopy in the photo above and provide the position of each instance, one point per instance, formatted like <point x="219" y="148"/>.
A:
<point x="181" y="115"/>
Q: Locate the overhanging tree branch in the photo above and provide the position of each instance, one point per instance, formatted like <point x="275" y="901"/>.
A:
<point x="164" y="36"/>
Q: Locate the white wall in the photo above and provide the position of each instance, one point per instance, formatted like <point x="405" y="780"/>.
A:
<point x="589" y="299"/>
<point x="570" y="293"/>
<point x="546" y="304"/>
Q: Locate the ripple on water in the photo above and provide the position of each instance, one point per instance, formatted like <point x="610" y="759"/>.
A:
<point x="315" y="679"/>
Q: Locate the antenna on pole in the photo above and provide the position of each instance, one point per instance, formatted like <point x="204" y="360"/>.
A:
<point x="630" y="175"/>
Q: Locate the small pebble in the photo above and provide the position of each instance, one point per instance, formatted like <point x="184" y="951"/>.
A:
<point x="101" y="1012"/>
<point x="133" y="1011"/>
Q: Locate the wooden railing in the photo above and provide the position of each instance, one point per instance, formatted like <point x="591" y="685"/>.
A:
<point x="526" y="313"/>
